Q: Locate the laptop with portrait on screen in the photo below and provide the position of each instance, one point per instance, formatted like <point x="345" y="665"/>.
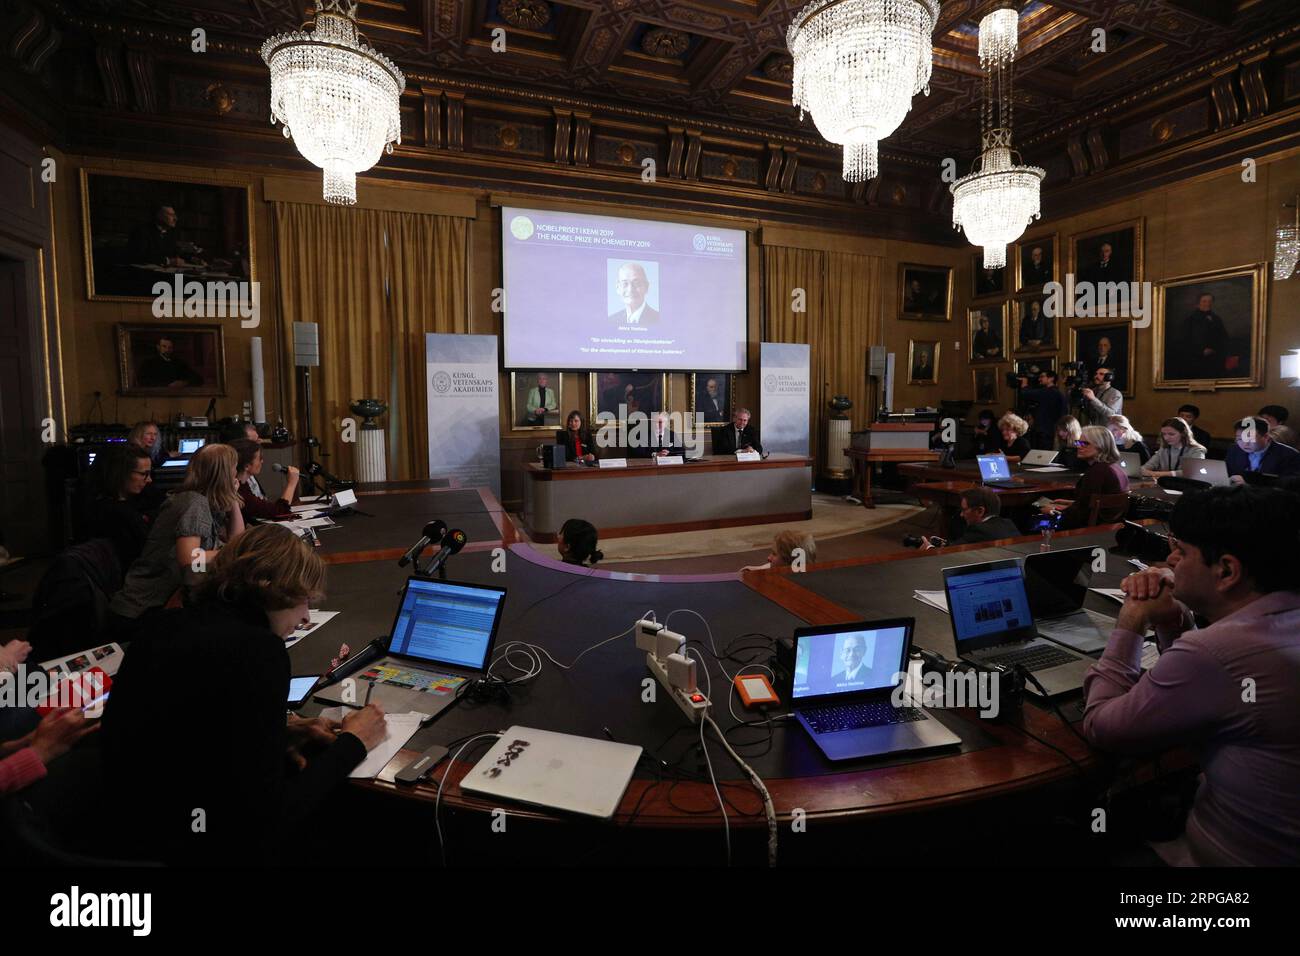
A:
<point x="992" y="624"/>
<point x="441" y="640"/>
<point x="995" y="472"/>
<point x="845" y="676"/>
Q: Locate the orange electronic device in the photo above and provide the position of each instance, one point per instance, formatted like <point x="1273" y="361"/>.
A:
<point x="755" y="690"/>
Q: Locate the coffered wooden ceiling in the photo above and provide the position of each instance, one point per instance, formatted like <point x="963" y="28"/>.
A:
<point x="727" y="59"/>
<point x="701" y="85"/>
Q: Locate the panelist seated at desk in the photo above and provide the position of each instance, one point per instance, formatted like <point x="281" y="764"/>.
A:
<point x="981" y="509"/>
<point x="660" y="441"/>
<point x="1255" y="452"/>
<point x="1098" y="456"/>
<point x="576" y="438"/>
<point x="740" y="435"/>
<point x="255" y="505"/>
<point x="197" y="717"/>
<point x="1227" y="690"/>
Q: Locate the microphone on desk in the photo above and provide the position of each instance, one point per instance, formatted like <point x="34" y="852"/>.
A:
<point x="433" y="532"/>
<point x="451" y="544"/>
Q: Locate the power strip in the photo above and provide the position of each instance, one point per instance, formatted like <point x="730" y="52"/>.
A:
<point x="692" y="703"/>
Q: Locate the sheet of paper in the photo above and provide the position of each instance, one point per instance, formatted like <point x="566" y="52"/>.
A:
<point x="1048" y="468"/>
<point x="305" y="509"/>
<point x="400" y="729"/>
<point x="1115" y="594"/>
<point x="935" y="599"/>
<point x="1150" y="654"/>
<point x="318" y="620"/>
<point x="1137" y="564"/>
<point x="303" y="524"/>
<point x="315" y="499"/>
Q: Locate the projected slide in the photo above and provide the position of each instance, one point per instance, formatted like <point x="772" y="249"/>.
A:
<point x="584" y="292"/>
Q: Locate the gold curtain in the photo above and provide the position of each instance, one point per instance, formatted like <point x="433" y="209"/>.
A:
<point x="374" y="281"/>
<point x="843" y="301"/>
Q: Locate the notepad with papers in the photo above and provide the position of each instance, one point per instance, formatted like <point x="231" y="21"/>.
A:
<point x="935" y="599"/>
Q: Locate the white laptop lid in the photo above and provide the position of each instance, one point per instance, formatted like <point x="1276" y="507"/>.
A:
<point x="1205" y="469"/>
<point x="1039" y="456"/>
<point x="1132" y="463"/>
<point x="540" y="767"/>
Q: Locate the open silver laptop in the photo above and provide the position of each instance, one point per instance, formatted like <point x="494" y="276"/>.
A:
<point x="1132" y="463"/>
<point x="1204" y="469"/>
<point x="560" y="771"/>
<point x="1039" y="456"/>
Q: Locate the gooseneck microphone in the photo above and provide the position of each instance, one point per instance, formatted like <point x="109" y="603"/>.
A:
<point x="433" y="533"/>
<point x="451" y="544"/>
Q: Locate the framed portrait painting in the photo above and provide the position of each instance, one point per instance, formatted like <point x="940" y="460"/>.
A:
<point x="924" y="292"/>
<point x="1036" y="262"/>
<point x="162" y="359"/>
<point x="1209" y="329"/>
<point x="711" y="398"/>
<point x="622" y="393"/>
<point x="140" y="231"/>
<point x="923" y="362"/>
<point x="536" y="400"/>
<point x="985" y="381"/>
<point x="1105" y="346"/>
<point x="986" y="283"/>
<point x="987" y="333"/>
<point x="1030" y="367"/>
<point x="1111" y="254"/>
<point x="1035" y="330"/>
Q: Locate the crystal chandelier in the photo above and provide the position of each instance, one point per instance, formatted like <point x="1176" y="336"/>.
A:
<point x="336" y="96"/>
<point x="857" y="65"/>
<point x="1286" y="249"/>
<point x="995" y="202"/>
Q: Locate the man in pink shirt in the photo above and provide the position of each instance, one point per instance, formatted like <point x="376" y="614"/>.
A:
<point x="1230" y="690"/>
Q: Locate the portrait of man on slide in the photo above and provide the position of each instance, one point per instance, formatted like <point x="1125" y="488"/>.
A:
<point x="631" y="286"/>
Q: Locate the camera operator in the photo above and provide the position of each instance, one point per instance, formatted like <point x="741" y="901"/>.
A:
<point x="1049" y="406"/>
<point x="982" y="512"/>
<point x="1099" y="403"/>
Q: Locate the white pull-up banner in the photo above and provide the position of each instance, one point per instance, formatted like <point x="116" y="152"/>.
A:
<point x="464" y="409"/>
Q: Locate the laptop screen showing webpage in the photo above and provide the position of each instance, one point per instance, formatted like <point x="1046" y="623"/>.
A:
<point x="446" y="623"/>
<point x="190" y="445"/>
<point x="848" y="662"/>
<point x="993" y="467"/>
<point x="986" y="602"/>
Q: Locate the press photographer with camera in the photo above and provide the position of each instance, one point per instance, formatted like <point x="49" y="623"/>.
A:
<point x="1046" y="402"/>
<point x="982" y="512"/>
<point x="1098" y="403"/>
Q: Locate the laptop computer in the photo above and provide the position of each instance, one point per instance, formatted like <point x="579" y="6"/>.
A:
<point x="546" y="769"/>
<point x="1132" y="463"/>
<point x="1206" y="469"/>
<point x="992" y="624"/>
<point x="844" y="678"/>
<point x="995" y="472"/>
<point x="441" y="639"/>
<point x="1057" y="583"/>
<point x="1039" y="456"/>
<point x="189" y="446"/>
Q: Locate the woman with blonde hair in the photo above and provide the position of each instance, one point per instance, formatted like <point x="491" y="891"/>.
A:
<point x="189" y="530"/>
<point x="228" y="649"/>
<point x="789" y="547"/>
<point x="1014" y="442"/>
<point x="1177" y="445"/>
<point x="1102" y="476"/>
<point x="1127" y="438"/>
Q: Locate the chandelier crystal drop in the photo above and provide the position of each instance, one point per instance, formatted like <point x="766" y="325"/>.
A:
<point x="336" y="96"/>
<point x="1286" y="248"/>
<point x="999" y="38"/>
<point x="857" y="65"/>
<point x="999" y="198"/>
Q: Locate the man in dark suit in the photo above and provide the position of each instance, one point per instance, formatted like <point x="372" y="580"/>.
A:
<point x="165" y="370"/>
<point x="1189" y="414"/>
<point x="1107" y="268"/>
<point x="1034" y="329"/>
<point x="1255" y="452"/>
<point x="659" y="439"/>
<point x="740" y="435"/>
<point x="982" y="511"/>
<point x="632" y="285"/>
<point x="1034" y="271"/>
<point x="1204" y="343"/>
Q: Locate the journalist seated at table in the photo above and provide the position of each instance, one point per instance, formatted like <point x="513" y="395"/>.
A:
<point x="738" y="436"/>
<point x="1177" y="445"/>
<point x="576" y="438"/>
<point x="1227" y="690"/>
<point x="116" y="508"/>
<point x="203" y="689"/>
<point x="1256" y="453"/>
<point x="1098" y="456"/>
<point x="254" y="504"/>
<point x="577" y="542"/>
<point x="190" y="529"/>
<point x="1013" y="428"/>
<point x="981" y="509"/>
<point x="1127" y="438"/>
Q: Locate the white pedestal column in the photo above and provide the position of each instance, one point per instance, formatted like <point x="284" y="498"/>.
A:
<point x="372" y="463"/>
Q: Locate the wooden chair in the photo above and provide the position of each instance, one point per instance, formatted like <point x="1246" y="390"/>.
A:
<point x="1105" y="509"/>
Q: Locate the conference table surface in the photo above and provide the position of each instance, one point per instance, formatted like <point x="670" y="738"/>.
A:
<point x="592" y="679"/>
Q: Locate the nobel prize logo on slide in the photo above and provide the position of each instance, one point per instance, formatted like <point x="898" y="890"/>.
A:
<point x="521" y="227"/>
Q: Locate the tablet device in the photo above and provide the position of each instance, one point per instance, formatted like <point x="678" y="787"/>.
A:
<point x="300" y="688"/>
